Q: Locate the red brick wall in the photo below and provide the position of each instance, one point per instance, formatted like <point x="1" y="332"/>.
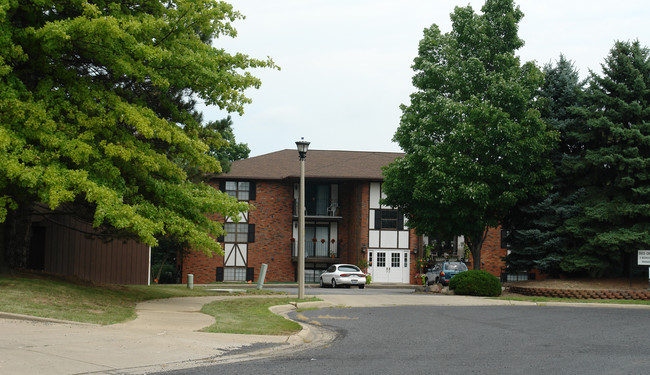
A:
<point x="203" y="268"/>
<point x="272" y="215"/>
<point x="492" y="253"/>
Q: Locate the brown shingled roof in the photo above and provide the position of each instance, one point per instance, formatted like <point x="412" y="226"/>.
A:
<point x="358" y="165"/>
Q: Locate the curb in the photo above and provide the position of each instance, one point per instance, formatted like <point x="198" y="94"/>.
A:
<point x="6" y="315"/>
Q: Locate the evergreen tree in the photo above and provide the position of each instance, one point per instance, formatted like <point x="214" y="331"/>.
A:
<point x="536" y="236"/>
<point x="614" y="164"/>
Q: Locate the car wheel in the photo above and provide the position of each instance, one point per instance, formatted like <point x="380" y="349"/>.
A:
<point x="361" y="286"/>
<point x="322" y="285"/>
<point x="333" y="283"/>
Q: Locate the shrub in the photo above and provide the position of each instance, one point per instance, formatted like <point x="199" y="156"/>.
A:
<point x="475" y="283"/>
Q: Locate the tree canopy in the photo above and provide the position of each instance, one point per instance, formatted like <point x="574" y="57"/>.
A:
<point x="472" y="135"/>
<point x="97" y="112"/>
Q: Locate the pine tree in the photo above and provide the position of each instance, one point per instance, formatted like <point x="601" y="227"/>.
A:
<point x="536" y="237"/>
<point x="613" y="165"/>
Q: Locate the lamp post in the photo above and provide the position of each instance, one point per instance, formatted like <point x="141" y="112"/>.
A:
<point x="302" y="152"/>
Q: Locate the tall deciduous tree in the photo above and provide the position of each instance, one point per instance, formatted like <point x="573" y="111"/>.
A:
<point x="97" y="114"/>
<point x="472" y="135"/>
<point x="537" y="239"/>
<point x="614" y="164"/>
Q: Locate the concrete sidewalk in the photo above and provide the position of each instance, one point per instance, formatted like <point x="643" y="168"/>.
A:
<point x="165" y="336"/>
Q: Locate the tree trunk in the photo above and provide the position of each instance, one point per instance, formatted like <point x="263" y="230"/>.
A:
<point x="17" y="236"/>
<point x="475" y="246"/>
<point x="4" y="266"/>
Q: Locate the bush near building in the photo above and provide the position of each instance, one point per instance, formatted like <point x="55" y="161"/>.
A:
<point x="475" y="283"/>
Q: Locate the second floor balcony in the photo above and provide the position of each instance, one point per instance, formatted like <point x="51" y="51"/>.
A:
<point x="320" y="208"/>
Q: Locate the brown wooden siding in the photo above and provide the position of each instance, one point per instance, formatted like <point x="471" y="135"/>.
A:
<point x="73" y="253"/>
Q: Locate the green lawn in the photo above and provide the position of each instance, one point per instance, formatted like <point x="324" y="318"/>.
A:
<point x="250" y="316"/>
<point x="50" y="297"/>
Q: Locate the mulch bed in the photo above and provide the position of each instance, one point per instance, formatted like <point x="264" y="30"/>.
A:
<point x="620" y="288"/>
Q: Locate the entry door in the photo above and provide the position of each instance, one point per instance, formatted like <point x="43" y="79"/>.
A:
<point x="389" y="266"/>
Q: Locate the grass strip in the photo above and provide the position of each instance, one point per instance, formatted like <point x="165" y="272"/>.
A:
<point x="251" y="316"/>
<point x="51" y="297"/>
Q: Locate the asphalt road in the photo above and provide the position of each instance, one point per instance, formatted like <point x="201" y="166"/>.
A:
<point x="474" y="340"/>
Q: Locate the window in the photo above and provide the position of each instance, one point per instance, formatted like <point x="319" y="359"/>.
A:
<point x="242" y="190"/>
<point x="317" y="240"/>
<point x="238" y="233"/>
<point x="234" y="274"/>
<point x="389" y="219"/>
<point x="313" y="271"/>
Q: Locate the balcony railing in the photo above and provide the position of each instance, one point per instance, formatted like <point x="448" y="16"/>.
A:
<point x="318" y="207"/>
<point x="317" y="249"/>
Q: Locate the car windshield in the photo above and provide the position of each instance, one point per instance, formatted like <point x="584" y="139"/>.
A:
<point x="349" y="269"/>
<point x="456" y="266"/>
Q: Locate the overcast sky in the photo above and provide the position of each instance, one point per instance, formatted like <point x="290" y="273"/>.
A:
<point x="346" y="64"/>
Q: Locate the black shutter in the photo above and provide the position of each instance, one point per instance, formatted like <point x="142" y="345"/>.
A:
<point x="400" y="221"/>
<point x="504" y="239"/>
<point x="377" y="219"/>
<point x="222" y="186"/>
<point x="251" y="233"/>
<point x="220" y="239"/>
<point x="250" y="273"/>
<point x="219" y="274"/>
<point x="251" y="192"/>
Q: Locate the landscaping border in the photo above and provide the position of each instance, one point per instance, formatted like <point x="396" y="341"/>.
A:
<point x="582" y="293"/>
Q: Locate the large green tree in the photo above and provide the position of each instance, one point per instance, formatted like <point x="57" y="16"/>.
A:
<point x="613" y="165"/>
<point x="537" y="239"/>
<point x="472" y="134"/>
<point x="97" y="115"/>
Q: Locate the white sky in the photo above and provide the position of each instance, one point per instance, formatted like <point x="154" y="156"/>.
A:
<point x="346" y="64"/>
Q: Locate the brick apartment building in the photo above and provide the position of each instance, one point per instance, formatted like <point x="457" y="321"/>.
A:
<point x="344" y="221"/>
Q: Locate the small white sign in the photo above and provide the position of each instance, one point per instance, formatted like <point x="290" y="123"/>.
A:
<point x="644" y="257"/>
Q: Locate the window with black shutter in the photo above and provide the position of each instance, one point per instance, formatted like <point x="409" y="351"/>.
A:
<point x="389" y="219"/>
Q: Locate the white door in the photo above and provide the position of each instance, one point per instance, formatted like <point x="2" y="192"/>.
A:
<point x="389" y="266"/>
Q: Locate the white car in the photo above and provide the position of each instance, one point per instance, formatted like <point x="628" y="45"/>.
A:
<point x="343" y="274"/>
